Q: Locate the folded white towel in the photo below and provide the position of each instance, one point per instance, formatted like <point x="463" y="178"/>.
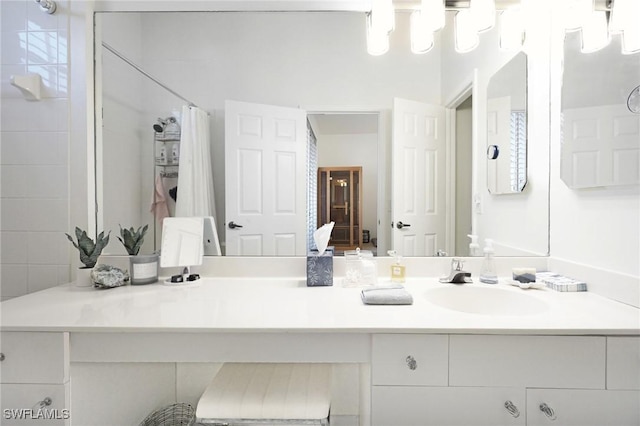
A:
<point x="386" y="295"/>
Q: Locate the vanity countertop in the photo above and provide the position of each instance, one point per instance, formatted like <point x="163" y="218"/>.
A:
<point x="232" y="305"/>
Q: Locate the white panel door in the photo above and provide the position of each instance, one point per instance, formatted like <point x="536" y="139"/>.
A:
<point x="266" y="180"/>
<point x="418" y="178"/>
<point x="600" y="147"/>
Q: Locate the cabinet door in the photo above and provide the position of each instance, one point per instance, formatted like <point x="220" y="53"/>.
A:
<point x="623" y="363"/>
<point x="409" y="359"/>
<point x="581" y="407"/>
<point x="447" y="406"/>
<point x="561" y="362"/>
<point x="34" y="357"/>
<point x="35" y="404"/>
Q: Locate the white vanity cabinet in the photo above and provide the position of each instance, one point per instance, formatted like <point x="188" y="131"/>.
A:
<point x="34" y="376"/>
<point x="505" y="380"/>
<point x="447" y="406"/>
<point x="582" y="407"/>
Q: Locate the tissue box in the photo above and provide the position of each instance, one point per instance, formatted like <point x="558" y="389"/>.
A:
<point x="320" y="268"/>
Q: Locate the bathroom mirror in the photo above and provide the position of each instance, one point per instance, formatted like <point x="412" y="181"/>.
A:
<point x="507" y="128"/>
<point x="600" y="134"/>
<point x="313" y="60"/>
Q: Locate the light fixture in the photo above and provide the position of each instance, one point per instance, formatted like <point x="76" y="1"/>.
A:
<point x="625" y="15"/>
<point x="631" y="40"/>
<point x="48" y="6"/>
<point x="594" y="32"/>
<point x="484" y="14"/>
<point x="382" y="16"/>
<point x="377" y="41"/>
<point x="433" y="14"/>
<point x="466" y="34"/>
<point x="511" y="29"/>
<point x="575" y="13"/>
<point x="421" y="35"/>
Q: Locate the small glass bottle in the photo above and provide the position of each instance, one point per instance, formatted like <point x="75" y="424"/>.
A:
<point x="397" y="268"/>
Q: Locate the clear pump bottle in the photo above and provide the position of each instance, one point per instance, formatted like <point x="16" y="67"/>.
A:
<point x="488" y="274"/>
<point x="474" y="247"/>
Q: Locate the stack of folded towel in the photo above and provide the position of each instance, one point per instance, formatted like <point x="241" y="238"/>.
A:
<point x="386" y="295"/>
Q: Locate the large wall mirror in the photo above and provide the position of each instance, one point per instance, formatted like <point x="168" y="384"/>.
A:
<point x="315" y="61"/>
<point x="507" y="128"/>
<point x="600" y="132"/>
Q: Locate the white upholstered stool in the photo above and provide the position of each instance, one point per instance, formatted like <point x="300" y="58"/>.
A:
<point x="267" y="394"/>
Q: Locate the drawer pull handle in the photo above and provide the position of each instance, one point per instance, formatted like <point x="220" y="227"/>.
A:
<point x="411" y="362"/>
<point x="44" y="403"/>
<point x="512" y="409"/>
<point x="1" y="356"/>
<point x="548" y="411"/>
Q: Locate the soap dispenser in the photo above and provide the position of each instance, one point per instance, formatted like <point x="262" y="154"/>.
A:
<point x="397" y="268"/>
<point x="474" y="247"/>
<point x="488" y="274"/>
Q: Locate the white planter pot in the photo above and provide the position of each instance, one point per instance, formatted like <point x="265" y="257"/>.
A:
<point x="83" y="277"/>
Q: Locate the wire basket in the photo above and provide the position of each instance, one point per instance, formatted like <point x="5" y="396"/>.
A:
<point x="179" y="414"/>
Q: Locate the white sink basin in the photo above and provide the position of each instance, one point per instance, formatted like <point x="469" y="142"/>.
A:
<point x="485" y="300"/>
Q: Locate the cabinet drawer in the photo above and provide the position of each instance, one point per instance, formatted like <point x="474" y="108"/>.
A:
<point x="623" y="362"/>
<point x="443" y="406"/>
<point x="34" y="357"/>
<point x="576" y="407"/>
<point x="35" y="404"/>
<point x="528" y="361"/>
<point x="409" y="359"/>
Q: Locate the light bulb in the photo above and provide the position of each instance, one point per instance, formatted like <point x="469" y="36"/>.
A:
<point x="484" y="14"/>
<point x="377" y="41"/>
<point x="594" y="32"/>
<point x="631" y="40"/>
<point x="433" y="14"/>
<point x="575" y="13"/>
<point x="382" y="16"/>
<point x="511" y="29"/>
<point x="421" y="36"/>
<point x="465" y="32"/>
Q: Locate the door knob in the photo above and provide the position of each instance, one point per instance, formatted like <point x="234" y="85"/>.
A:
<point x="401" y="225"/>
<point x="234" y="225"/>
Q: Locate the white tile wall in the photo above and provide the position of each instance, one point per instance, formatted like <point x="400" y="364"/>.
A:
<point x="34" y="139"/>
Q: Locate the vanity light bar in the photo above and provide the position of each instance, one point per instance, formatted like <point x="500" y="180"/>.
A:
<point x="596" y="19"/>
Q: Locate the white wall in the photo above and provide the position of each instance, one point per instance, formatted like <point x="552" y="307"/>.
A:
<point x="355" y="150"/>
<point x="517" y="222"/>
<point x="34" y="160"/>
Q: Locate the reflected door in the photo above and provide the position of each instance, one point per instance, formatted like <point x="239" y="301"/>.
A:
<point x="419" y="143"/>
<point x="340" y="201"/>
<point x="266" y="180"/>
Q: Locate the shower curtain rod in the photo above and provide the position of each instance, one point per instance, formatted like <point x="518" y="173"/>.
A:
<point x="143" y="72"/>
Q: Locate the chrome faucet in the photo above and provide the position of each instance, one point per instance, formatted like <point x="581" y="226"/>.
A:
<point x="457" y="275"/>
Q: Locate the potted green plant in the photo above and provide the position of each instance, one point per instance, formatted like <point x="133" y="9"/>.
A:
<point x="89" y="253"/>
<point x="143" y="268"/>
